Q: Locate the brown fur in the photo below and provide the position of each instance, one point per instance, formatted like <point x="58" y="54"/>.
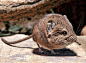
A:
<point x="56" y="40"/>
<point x="53" y="31"/>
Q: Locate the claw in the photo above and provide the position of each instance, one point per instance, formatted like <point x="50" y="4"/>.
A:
<point x="40" y="49"/>
<point x="52" y="52"/>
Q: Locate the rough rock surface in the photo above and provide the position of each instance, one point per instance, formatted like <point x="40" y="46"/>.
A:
<point x="71" y="54"/>
<point x="15" y="9"/>
<point x="83" y="31"/>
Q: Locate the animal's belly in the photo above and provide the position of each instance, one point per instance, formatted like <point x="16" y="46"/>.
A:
<point x="49" y="47"/>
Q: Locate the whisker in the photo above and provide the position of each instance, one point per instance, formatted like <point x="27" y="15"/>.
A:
<point x="78" y="43"/>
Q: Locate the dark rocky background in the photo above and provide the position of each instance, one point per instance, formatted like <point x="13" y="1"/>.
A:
<point x="75" y="11"/>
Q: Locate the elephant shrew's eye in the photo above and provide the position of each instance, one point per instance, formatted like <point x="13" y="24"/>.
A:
<point x="64" y="33"/>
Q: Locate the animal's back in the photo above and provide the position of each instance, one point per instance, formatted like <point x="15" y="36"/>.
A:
<point x="40" y="32"/>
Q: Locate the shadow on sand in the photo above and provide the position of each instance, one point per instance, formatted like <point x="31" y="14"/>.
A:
<point x="61" y="52"/>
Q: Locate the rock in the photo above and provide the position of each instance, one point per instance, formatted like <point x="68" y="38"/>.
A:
<point x="83" y="32"/>
<point x="27" y="52"/>
<point x="15" y="9"/>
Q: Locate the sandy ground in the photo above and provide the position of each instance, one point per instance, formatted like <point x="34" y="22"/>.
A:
<point x="27" y="52"/>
